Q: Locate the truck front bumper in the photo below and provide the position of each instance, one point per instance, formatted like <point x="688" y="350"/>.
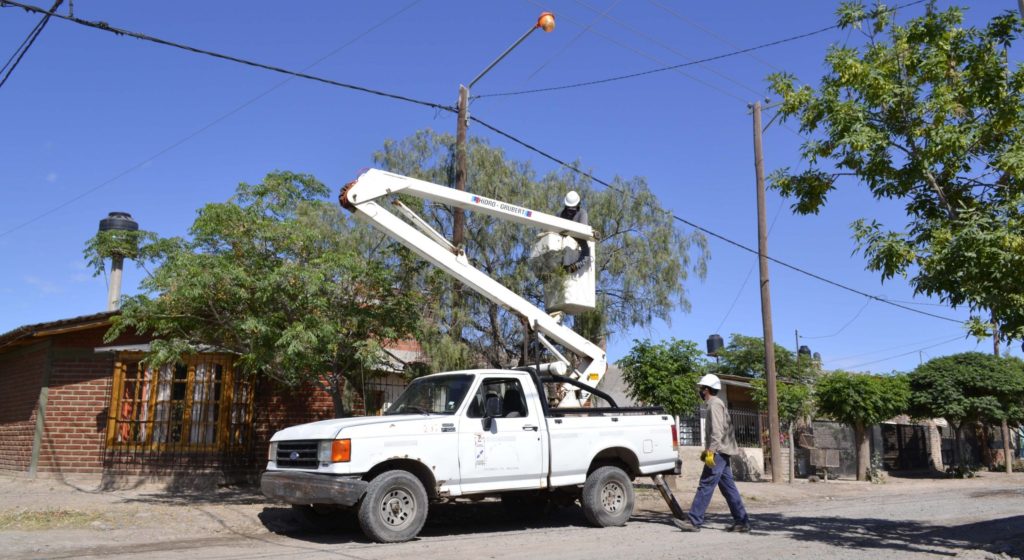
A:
<point x="311" y="488"/>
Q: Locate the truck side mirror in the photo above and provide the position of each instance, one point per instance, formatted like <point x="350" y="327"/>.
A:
<point x="492" y="409"/>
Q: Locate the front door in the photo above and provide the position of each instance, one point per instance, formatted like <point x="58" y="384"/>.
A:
<point x="509" y="455"/>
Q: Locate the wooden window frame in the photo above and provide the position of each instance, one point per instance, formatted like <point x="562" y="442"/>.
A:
<point x="223" y="439"/>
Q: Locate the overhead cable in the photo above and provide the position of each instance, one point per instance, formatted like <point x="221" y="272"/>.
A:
<point x="203" y="128"/>
<point x="25" y="45"/>
<point x="117" y="31"/>
<point x="901" y="355"/>
<point x="683" y="65"/>
<point x="705" y="230"/>
<point x="104" y="26"/>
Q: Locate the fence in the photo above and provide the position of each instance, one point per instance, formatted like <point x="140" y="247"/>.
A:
<point x="379" y="392"/>
<point x="747" y="425"/>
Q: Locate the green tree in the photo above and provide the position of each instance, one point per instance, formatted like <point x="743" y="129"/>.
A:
<point x="664" y="374"/>
<point x="744" y="356"/>
<point x="861" y="401"/>
<point x="642" y="259"/>
<point x="967" y="387"/>
<point x="278" y="277"/>
<point x="928" y="113"/>
<point x="796" y="400"/>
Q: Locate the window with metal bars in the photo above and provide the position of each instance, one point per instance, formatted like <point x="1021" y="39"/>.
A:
<point x="194" y="405"/>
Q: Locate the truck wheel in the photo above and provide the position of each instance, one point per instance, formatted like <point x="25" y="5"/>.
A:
<point x="608" y="497"/>
<point x="394" y="508"/>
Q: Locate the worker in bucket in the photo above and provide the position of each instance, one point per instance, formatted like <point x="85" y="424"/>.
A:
<point x="720" y="446"/>
<point x="575" y="212"/>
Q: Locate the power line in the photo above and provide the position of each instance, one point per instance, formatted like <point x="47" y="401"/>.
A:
<point x="12" y="62"/>
<point x="721" y="39"/>
<point x="667" y="47"/>
<point x="846" y="324"/>
<point x="903" y="354"/>
<point x="909" y="302"/>
<point x="575" y="38"/>
<point x="104" y="26"/>
<point x="203" y="128"/>
<point x="890" y="348"/>
<point x="705" y="230"/>
<point x="746" y="279"/>
<point x="618" y="43"/>
<point x="683" y="65"/>
<point x="117" y="31"/>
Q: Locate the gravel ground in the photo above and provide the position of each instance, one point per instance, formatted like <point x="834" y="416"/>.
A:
<point x="904" y="518"/>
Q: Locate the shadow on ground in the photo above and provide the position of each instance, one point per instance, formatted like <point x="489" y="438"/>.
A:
<point x="443" y="520"/>
<point x="997" y="536"/>
<point x="236" y="495"/>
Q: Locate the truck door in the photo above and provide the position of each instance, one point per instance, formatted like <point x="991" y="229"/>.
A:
<point x="509" y="454"/>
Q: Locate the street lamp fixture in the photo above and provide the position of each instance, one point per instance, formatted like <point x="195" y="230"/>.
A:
<point x="545" y="21"/>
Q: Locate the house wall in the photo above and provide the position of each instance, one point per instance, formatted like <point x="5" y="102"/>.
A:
<point x="21" y="376"/>
<point x="76" y="411"/>
<point x="78" y="384"/>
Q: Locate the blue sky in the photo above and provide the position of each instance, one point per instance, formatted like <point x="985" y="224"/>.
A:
<point x="165" y="131"/>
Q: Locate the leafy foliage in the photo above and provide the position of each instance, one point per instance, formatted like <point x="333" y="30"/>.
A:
<point x="796" y="400"/>
<point x="278" y="277"/>
<point x="966" y="387"/>
<point x="136" y="244"/>
<point x="744" y="356"/>
<point x="642" y="259"/>
<point x="928" y="113"/>
<point x="664" y="374"/>
<point x="863" y="400"/>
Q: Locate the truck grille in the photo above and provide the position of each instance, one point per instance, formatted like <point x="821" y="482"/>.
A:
<point x="297" y="455"/>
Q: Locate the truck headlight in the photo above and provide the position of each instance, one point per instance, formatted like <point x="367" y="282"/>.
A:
<point x="334" y="451"/>
<point x="272" y="451"/>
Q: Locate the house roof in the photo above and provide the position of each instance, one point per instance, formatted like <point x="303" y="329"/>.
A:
<point x="29" y="333"/>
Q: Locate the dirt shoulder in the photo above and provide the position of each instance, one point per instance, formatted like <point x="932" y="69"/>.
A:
<point x="54" y="518"/>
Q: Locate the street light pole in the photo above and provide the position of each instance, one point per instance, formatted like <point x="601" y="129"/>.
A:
<point x="545" y="21"/>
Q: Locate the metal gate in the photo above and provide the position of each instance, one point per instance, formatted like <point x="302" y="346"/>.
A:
<point x="904" y="447"/>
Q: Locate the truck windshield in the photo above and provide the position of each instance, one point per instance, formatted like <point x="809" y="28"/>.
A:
<point x="432" y="395"/>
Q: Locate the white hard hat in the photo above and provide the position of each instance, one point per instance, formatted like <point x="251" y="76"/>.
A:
<point x="710" y="380"/>
<point x="572" y="199"/>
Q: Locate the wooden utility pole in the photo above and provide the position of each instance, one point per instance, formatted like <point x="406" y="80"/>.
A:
<point x="766" y="304"/>
<point x="458" y="223"/>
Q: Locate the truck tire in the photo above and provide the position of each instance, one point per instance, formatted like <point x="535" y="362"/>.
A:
<point x="608" y="497"/>
<point x="394" y="508"/>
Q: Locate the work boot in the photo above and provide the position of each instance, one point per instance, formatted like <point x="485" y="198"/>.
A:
<point x="685" y="526"/>
<point x="739" y="528"/>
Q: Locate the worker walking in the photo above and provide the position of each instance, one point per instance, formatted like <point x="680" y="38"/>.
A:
<point x="720" y="446"/>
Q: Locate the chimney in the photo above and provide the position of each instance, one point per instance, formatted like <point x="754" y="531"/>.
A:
<point x="116" y="221"/>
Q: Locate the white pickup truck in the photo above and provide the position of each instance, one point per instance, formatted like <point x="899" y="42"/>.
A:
<point x="471" y="433"/>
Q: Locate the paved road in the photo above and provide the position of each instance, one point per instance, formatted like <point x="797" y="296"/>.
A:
<point x="919" y="521"/>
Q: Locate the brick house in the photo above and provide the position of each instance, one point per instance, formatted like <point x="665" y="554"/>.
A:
<point x="72" y="405"/>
